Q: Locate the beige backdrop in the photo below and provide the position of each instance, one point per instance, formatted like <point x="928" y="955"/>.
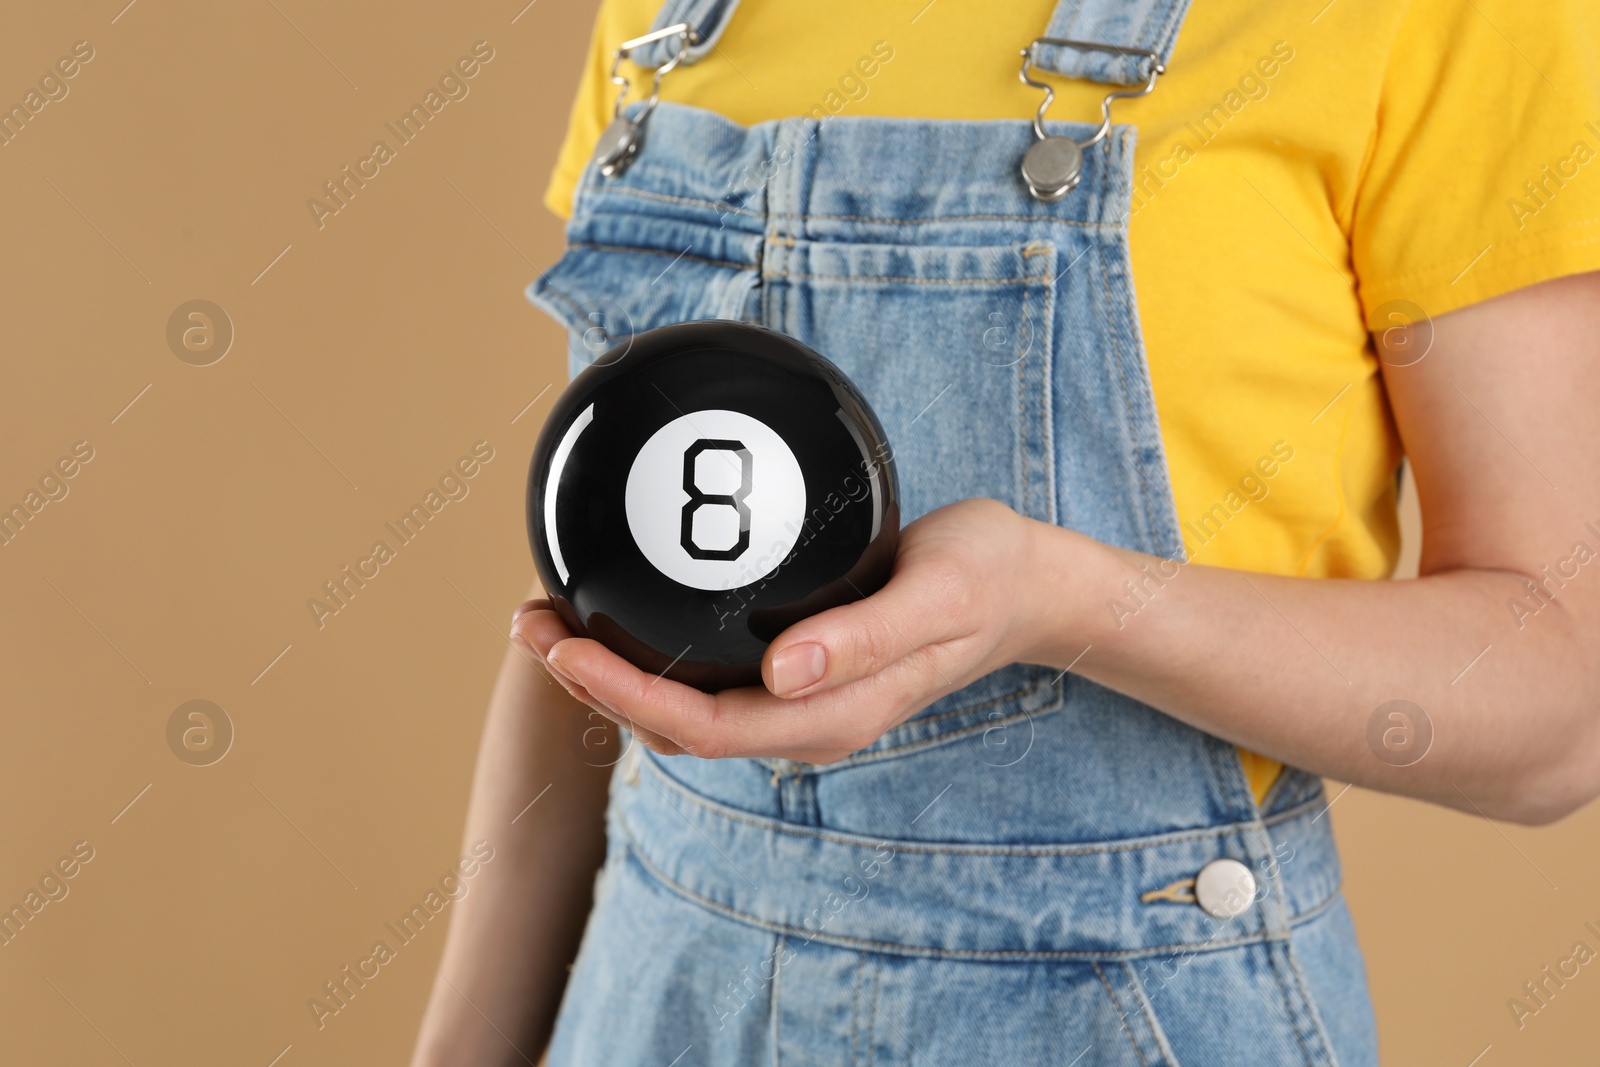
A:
<point x="371" y="350"/>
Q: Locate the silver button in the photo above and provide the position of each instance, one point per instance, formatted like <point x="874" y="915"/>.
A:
<point x="1225" y="889"/>
<point x="618" y="144"/>
<point x="1051" y="168"/>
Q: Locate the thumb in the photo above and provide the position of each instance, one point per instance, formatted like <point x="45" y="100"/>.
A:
<point x="855" y="641"/>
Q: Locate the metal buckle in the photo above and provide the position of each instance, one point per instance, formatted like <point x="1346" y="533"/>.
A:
<point x="1052" y="165"/>
<point x="622" y="138"/>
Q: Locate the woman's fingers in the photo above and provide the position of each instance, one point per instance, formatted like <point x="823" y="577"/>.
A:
<point x="919" y="607"/>
<point x="536" y="627"/>
<point x="527" y="606"/>
<point x="748" y="721"/>
<point x="624" y="692"/>
<point x="842" y="677"/>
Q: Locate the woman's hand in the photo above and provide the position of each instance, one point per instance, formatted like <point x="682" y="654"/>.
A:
<point x="965" y="598"/>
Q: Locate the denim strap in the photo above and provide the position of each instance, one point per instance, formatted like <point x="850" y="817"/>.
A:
<point x="1148" y="24"/>
<point x="708" y="17"/>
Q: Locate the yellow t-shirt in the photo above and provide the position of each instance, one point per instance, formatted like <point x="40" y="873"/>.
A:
<point x="1299" y="167"/>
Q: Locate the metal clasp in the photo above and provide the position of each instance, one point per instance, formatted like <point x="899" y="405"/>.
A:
<point x="622" y="138"/>
<point x="1052" y="165"/>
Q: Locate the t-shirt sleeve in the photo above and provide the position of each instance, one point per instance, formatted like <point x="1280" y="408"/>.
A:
<point x="591" y="108"/>
<point x="1484" y="172"/>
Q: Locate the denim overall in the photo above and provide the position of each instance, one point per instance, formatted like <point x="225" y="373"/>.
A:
<point x="1008" y="876"/>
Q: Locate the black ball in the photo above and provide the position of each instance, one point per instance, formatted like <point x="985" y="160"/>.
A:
<point x="701" y="488"/>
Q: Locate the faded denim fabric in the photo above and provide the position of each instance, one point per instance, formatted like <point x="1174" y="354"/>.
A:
<point x="973" y="888"/>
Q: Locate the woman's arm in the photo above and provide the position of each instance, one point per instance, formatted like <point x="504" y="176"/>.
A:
<point x="1501" y="420"/>
<point x="538" y="798"/>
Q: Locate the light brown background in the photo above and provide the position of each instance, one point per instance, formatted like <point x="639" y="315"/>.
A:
<point x="369" y="357"/>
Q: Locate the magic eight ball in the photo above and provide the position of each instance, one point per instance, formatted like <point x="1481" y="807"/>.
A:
<point x="701" y="488"/>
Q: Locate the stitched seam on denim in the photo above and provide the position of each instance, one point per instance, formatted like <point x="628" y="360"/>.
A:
<point x="1296" y="1022"/>
<point x="855" y="1022"/>
<point x="1321" y="1029"/>
<point x="892" y="948"/>
<point x="596" y="246"/>
<point x="876" y="754"/>
<point x="1279" y="785"/>
<point x="899" y="278"/>
<point x="1280" y="888"/>
<point x="1296" y="811"/>
<point x="1042" y="851"/>
<point x="1158" y="1033"/>
<point x="1316" y="910"/>
<point x="1167" y="28"/>
<point x="690" y="201"/>
<point x="546" y="286"/>
<point x="872" y="1016"/>
<point x="1273" y="872"/>
<point x="945" y="738"/>
<point x="1236" y="787"/>
<point x="1132" y="319"/>
<point x="1022" y="378"/>
<point x="1231" y="782"/>
<point x="1015" y="694"/>
<point x="766" y="290"/>
<point x="801" y="216"/>
<point x="1122" y="1014"/>
<point x="772" y="1003"/>
<point x="1153" y="522"/>
<point x="1291" y="1015"/>
<point x="1046" y="360"/>
<point x="932" y="219"/>
<point x="1022" y="410"/>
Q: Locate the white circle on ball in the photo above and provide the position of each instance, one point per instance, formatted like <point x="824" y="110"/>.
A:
<point x="715" y="500"/>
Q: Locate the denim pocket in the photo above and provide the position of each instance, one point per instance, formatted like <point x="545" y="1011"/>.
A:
<point x="952" y="346"/>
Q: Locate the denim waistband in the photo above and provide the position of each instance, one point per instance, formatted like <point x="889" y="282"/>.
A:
<point x="991" y="901"/>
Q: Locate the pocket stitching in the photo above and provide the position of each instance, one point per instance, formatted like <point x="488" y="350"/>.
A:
<point x="1158" y="1033"/>
<point x="546" y="286"/>
<point x="947" y="737"/>
<point x="646" y="194"/>
<point x="775" y="269"/>
<point x="643" y="251"/>
<point x="1296" y="1004"/>
<point x="1122" y="1015"/>
<point x="901" y="279"/>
